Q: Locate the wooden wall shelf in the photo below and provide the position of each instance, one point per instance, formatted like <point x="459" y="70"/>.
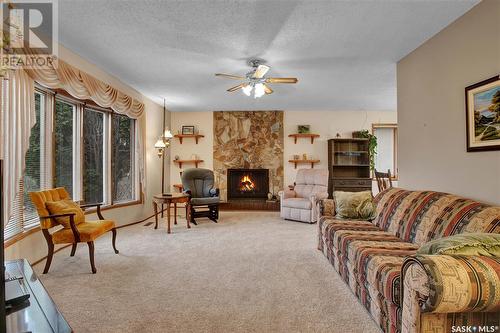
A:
<point x="182" y="136"/>
<point x="312" y="162"/>
<point x="180" y="162"/>
<point x="303" y="135"/>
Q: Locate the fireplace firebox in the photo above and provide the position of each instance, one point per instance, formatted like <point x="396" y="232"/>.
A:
<point x="247" y="183"/>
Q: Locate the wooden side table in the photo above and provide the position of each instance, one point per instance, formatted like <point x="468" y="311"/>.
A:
<point x="174" y="198"/>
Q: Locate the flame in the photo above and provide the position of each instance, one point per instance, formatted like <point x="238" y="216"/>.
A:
<point x="246" y="184"/>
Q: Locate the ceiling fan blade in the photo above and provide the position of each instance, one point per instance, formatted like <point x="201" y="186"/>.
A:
<point x="267" y="89"/>
<point x="281" y="80"/>
<point x="239" y="86"/>
<point x="229" y="76"/>
<point x="260" y="71"/>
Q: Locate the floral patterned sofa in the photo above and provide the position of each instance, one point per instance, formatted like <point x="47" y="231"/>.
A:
<point x="405" y="292"/>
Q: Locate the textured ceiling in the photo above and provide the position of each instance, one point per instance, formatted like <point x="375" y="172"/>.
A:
<point x="343" y="52"/>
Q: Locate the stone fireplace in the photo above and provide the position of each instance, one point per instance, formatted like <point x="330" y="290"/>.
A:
<point x="247" y="183"/>
<point x="248" y="140"/>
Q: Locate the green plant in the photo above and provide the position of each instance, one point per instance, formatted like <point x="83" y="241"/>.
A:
<point x="372" y="146"/>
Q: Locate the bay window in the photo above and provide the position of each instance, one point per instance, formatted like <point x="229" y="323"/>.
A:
<point x="86" y="149"/>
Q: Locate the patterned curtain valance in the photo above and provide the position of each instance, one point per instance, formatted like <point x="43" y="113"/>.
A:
<point x="83" y="86"/>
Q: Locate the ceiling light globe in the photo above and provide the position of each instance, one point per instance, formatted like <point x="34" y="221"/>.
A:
<point x="259" y="90"/>
<point x="247" y="90"/>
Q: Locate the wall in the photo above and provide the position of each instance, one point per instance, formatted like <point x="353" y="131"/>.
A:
<point x="431" y="107"/>
<point x="204" y="122"/>
<point x="33" y="247"/>
<point x="325" y="123"/>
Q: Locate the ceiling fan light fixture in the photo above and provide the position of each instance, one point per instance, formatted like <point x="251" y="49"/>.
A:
<point x="256" y="82"/>
<point x="259" y="90"/>
<point x="247" y="90"/>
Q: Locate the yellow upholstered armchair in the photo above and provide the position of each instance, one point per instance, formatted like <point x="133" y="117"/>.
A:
<point x="55" y="208"/>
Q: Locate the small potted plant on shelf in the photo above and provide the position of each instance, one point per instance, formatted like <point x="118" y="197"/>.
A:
<point x="372" y="144"/>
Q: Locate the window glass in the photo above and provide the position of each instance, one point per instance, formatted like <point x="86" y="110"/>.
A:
<point x="93" y="156"/>
<point x="122" y="158"/>
<point x="63" y="144"/>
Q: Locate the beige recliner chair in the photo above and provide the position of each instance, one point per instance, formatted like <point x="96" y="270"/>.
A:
<point x="299" y="204"/>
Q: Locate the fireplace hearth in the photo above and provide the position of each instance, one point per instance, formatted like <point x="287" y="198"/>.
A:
<point x="247" y="183"/>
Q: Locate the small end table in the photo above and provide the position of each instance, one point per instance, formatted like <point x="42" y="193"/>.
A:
<point x="174" y="198"/>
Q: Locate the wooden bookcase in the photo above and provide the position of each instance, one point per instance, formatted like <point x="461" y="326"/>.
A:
<point x="349" y="165"/>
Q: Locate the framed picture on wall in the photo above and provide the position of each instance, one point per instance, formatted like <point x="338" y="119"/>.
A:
<point x="188" y="130"/>
<point x="482" y="105"/>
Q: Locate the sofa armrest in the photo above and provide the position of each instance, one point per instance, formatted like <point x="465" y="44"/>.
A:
<point x="438" y="284"/>
<point x="326" y="207"/>
<point x="285" y="194"/>
<point x="449" y="284"/>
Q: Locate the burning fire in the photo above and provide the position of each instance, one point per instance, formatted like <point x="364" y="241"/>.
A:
<point x="246" y="184"/>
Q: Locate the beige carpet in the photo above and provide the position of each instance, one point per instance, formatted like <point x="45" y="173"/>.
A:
<point x="252" y="272"/>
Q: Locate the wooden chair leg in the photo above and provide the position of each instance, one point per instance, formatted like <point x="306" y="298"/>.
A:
<point x="91" y="255"/>
<point x="73" y="249"/>
<point x="191" y="215"/>
<point x="114" y="240"/>
<point x="49" y="257"/>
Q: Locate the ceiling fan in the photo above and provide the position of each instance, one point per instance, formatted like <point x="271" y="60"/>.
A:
<point x="256" y="81"/>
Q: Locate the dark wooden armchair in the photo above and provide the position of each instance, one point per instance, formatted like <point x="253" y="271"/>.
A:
<point x="69" y="214"/>
<point x="384" y="180"/>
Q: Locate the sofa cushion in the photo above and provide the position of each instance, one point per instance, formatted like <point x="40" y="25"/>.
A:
<point x="354" y="205"/>
<point x="204" y="201"/>
<point x="89" y="231"/>
<point x="369" y="260"/>
<point x="367" y="256"/>
<point x="479" y="244"/>
<point x="300" y="203"/>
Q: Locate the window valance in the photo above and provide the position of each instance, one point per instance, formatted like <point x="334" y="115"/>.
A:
<point x="83" y="86"/>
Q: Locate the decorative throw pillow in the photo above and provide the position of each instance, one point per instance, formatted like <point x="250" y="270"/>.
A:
<point x="354" y="205"/>
<point x="478" y="244"/>
<point x="64" y="207"/>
